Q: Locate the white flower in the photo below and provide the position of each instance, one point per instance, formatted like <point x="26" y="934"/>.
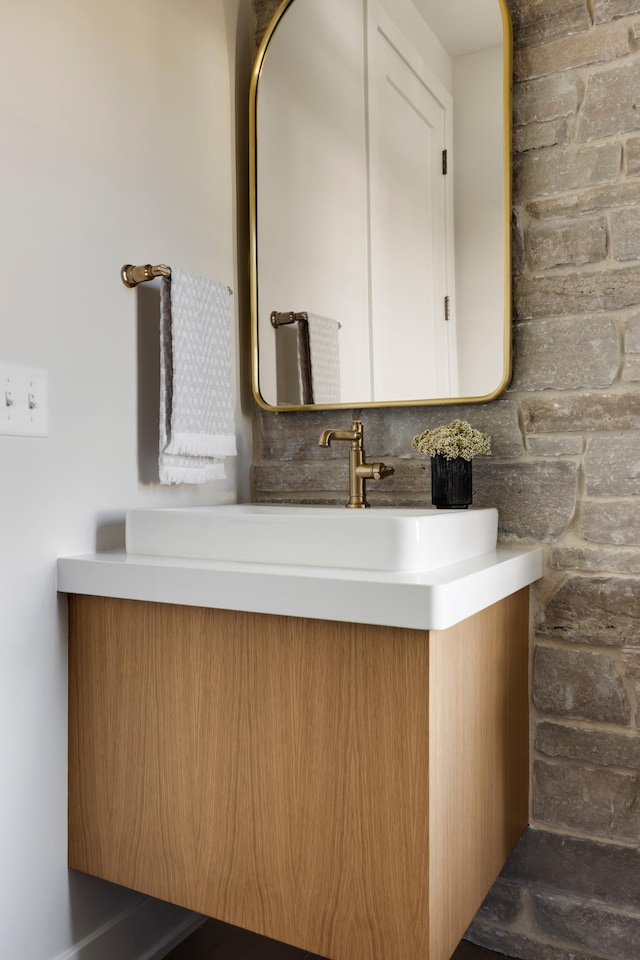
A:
<point x="458" y="439"/>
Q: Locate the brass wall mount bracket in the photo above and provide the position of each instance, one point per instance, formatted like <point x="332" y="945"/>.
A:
<point x="131" y="275"/>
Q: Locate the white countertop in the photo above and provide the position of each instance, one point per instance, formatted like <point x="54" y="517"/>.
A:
<point x="433" y="600"/>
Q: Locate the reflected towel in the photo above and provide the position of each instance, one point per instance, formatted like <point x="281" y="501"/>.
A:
<point x="196" y="402"/>
<point x="319" y="360"/>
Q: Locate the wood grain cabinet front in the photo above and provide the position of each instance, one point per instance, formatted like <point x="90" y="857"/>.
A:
<point x="348" y="789"/>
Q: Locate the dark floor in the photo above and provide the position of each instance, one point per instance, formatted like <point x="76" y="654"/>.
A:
<point x="219" y="941"/>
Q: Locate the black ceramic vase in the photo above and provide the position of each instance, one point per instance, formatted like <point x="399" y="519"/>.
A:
<point x="451" y="486"/>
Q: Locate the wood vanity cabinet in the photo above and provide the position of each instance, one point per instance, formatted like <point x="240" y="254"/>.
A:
<point x="352" y="790"/>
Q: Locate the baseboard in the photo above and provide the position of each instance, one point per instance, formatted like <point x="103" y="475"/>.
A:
<point x="147" y="931"/>
<point x="175" y="936"/>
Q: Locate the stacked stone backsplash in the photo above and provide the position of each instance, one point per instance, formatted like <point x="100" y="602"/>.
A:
<point x="565" y="472"/>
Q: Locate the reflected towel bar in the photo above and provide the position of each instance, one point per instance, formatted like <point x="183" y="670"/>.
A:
<point x="131" y="276"/>
<point x="282" y="319"/>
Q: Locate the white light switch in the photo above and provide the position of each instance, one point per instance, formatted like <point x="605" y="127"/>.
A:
<point x="24" y="401"/>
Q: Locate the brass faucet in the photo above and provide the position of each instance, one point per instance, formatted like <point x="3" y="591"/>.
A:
<point x="359" y="469"/>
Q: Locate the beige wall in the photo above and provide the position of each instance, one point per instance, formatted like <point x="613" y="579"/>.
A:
<point x="118" y="144"/>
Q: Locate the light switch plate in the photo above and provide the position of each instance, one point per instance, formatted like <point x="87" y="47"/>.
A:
<point x="24" y="401"/>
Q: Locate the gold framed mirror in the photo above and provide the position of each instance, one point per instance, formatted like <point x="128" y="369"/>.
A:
<point x="380" y="155"/>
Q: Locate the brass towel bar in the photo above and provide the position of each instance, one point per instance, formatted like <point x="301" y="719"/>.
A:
<point x="131" y="276"/>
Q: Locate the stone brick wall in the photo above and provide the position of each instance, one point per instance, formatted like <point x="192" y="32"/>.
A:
<point x="565" y="473"/>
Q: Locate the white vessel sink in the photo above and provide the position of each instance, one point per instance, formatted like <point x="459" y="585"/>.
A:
<point x="375" y="539"/>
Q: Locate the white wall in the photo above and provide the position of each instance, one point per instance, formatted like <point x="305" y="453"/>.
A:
<point x="417" y="25"/>
<point x="117" y="145"/>
<point x="479" y="219"/>
<point x="311" y="187"/>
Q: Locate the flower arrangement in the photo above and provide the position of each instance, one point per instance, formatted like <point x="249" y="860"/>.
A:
<point x="457" y="440"/>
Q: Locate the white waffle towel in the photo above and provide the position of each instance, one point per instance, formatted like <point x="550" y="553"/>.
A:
<point x="196" y="402"/>
<point x="323" y="366"/>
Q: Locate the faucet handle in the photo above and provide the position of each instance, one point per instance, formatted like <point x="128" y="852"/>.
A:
<point x="380" y="470"/>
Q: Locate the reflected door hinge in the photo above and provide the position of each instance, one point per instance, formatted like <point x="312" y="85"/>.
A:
<point x="444" y="161"/>
<point x="447" y="311"/>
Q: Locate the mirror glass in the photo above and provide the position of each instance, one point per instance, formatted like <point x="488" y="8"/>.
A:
<point x="381" y="203"/>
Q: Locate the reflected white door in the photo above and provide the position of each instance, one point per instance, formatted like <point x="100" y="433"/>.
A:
<point x="410" y="220"/>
